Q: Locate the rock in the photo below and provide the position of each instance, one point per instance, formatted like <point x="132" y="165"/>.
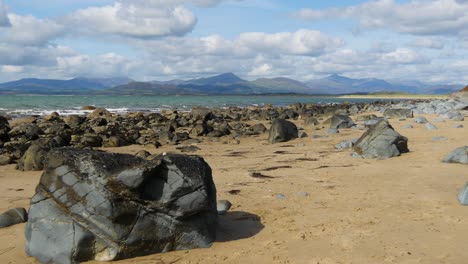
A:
<point x="398" y="113"/>
<point x="26" y="131"/>
<point x="143" y="154"/>
<point x="408" y="126"/>
<point x="13" y="217"/>
<point x="92" y="205"/>
<point x="455" y="116"/>
<point x="366" y="117"/>
<point x="23" y="120"/>
<point x="332" y="131"/>
<point x="98" y="113"/>
<point x="311" y="121"/>
<point x="88" y="108"/>
<point x="463" y="195"/>
<point x="223" y="206"/>
<point x="281" y="196"/>
<point x="34" y="157"/>
<point x="258" y="129"/>
<point x="346" y="144"/>
<point x="458" y="126"/>
<point x="421" y="120"/>
<point x="303" y="194"/>
<point x="340" y="121"/>
<point x="282" y="131"/>
<point x="430" y="126"/>
<point x="73" y="120"/>
<point x="439" y="138"/>
<point x="190" y="148"/>
<point x="302" y="134"/>
<point x="5" y="160"/>
<point x="459" y="155"/>
<point x="380" y="142"/>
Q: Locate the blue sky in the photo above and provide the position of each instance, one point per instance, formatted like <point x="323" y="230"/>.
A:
<point x="164" y="39"/>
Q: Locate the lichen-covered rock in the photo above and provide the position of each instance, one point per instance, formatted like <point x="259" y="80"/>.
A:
<point x="282" y="131"/>
<point x="92" y="205"/>
<point x="381" y="141"/>
<point x="459" y="155"/>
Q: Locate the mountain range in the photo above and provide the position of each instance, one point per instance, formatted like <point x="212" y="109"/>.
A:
<point x="227" y="83"/>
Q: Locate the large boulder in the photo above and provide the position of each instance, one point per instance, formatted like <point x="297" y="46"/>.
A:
<point x="398" y="113"/>
<point x="340" y="121"/>
<point x="34" y="157"/>
<point x="282" y="131"/>
<point x="381" y="141"/>
<point x="100" y="113"/>
<point x="92" y="205"/>
<point x="459" y="155"/>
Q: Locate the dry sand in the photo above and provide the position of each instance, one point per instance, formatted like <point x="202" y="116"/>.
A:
<point x="400" y="210"/>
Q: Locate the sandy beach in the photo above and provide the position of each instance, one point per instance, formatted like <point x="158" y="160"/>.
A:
<point x="316" y="205"/>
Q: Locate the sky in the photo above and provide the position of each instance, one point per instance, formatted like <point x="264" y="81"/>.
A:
<point x="180" y="39"/>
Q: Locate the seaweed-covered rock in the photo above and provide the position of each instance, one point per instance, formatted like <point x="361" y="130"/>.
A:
<point x="92" y="205"/>
<point x="381" y="141"/>
<point x="282" y="131"/>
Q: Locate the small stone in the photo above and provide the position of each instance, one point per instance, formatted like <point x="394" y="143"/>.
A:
<point x="281" y="196"/>
<point x="332" y="131"/>
<point x="439" y="138"/>
<point x="463" y="196"/>
<point x="459" y="155"/>
<point x="303" y="194"/>
<point x="420" y="120"/>
<point x="223" y="206"/>
<point x="458" y="126"/>
<point x="430" y="126"/>
<point x="302" y="134"/>
<point x="407" y="126"/>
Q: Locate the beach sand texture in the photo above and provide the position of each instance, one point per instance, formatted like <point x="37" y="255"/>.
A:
<point x="316" y="205"/>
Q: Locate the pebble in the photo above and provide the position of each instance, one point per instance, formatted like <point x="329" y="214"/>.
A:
<point x="222" y="206"/>
<point x="430" y="126"/>
<point x="281" y="196"/>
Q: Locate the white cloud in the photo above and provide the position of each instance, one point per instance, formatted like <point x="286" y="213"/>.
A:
<point x="428" y="43"/>
<point x="402" y="56"/>
<point x="137" y="19"/>
<point x="439" y="17"/>
<point x="30" y="31"/>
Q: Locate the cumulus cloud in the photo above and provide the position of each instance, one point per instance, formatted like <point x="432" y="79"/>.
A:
<point x="4" y="20"/>
<point x="439" y="17"/>
<point x="138" y="19"/>
<point x="28" y="30"/>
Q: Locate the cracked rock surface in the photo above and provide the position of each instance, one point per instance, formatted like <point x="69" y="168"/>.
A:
<point x="92" y="205"/>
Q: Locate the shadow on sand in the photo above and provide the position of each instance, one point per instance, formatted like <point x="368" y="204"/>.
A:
<point x="237" y="225"/>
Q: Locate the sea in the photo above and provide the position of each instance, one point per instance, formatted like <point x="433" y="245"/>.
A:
<point x="27" y="105"/>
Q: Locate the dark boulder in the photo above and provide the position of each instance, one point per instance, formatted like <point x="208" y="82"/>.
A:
<point x="26" y="132"/>
<point x="13" y="217"/>
<point x="381" y="141"/>
<point x="459" y="155"/>
<point x="282" y="131"/>
<point x="34" y="158"/>
<point x="340" y="121"/>
<point x="92" y="205"/>
<point x="398" y="113"/>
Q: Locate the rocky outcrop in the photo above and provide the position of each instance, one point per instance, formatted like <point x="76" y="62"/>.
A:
<point x="92" y="205"/>
<point x="381" y="141"/>
<point x="282" y="131"/>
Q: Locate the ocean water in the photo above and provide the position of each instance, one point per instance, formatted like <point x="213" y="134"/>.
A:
<point x="16" y="105"/>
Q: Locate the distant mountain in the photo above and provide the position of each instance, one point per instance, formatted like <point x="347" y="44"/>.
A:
<point x="222" y="79"/>
<point x="279" y="85"/>
<point x="336" y="84"/>
<point x="51" y="86"/>
<point x="227" y="83"/>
